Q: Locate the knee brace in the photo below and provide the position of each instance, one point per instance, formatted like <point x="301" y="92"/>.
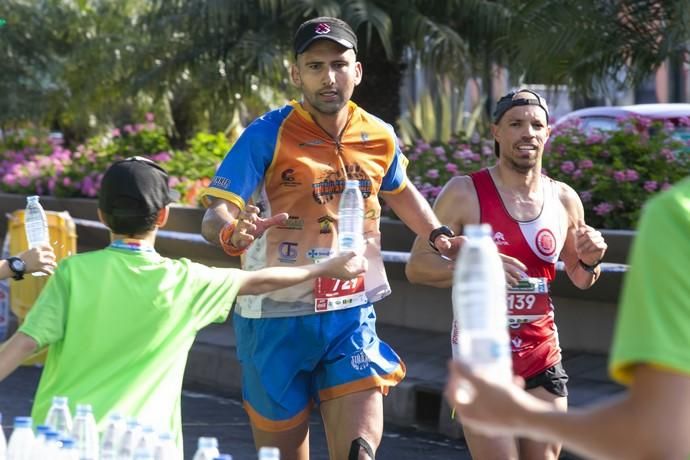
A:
<point x="357" y="444"/>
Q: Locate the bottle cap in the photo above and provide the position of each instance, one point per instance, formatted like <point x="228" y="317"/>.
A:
<point x="60" y="400"/>
<point x="477" y="231"/>
<point x="205" y="442"/>
<point x="67" y="443"/>
<point x="269" y="453"/>
<point x="23" y="422"/>
<point x="84" y="409"/>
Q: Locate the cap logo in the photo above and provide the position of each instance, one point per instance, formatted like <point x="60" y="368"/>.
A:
<point x="322" y="28"/>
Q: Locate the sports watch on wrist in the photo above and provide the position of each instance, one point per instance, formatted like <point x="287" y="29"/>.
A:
<point x="435" y="233"/>
<point x="589" y="268"/>
<point x="17" y="266"/>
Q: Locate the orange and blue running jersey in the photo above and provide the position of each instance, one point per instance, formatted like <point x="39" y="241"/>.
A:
<point x="285" y="162"/>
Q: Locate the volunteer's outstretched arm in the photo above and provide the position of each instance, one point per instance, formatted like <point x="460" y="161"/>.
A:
<point x="346" y="266"/>
<point x="13" y="352"/>
<point x="645" y="422"/>
<point x="38" y="259"/>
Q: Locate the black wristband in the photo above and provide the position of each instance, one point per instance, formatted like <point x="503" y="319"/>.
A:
<point x="588" y="268"/>
<point x="435" y="233"/>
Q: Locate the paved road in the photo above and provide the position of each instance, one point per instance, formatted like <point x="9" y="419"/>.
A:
<point x="209" y="415"/>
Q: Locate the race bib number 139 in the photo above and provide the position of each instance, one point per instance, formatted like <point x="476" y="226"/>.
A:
<point x="528" y="301"/>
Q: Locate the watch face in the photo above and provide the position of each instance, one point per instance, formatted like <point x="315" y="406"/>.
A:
<point x="17" y="265"/>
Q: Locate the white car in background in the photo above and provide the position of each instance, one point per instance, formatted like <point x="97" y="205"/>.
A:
<point x="605" y="118"/>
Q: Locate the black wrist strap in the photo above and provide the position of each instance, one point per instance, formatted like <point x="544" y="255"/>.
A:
<point x="588" y="268"/>
<point x="435" y="233"/>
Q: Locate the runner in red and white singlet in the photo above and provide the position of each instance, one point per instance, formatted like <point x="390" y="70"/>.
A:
<point x="537" y="243"/>
<point x="536" y="221"/>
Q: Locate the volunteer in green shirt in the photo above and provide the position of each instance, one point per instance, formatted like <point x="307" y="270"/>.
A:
<point x="650" y="354"/>
<point x="120" y="321"/>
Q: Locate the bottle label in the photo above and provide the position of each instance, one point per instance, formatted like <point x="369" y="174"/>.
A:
<point x="333" y="294"/>
<point x="528" y="301"/>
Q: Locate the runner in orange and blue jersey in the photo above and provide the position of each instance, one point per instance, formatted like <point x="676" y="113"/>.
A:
<point x="274" y="201"/>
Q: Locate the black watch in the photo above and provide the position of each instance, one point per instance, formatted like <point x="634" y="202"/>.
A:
<point x="17" y="266"/>
<point x="435" y="233"/>
<point x="589" y="268"/>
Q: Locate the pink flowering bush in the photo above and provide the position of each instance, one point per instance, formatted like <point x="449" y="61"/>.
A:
<point x="431" y="166"/>
<point x="615" y="172"/>
<point x="32" y="163"/>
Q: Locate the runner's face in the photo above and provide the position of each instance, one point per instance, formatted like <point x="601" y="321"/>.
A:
<point x="327" y="74"/>
<point x="521" y="135"/>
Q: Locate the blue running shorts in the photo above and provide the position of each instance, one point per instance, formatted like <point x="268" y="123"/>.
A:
<point x="289" y="364"/>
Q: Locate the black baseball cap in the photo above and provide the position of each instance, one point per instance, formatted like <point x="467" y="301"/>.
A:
<point x="324" y="27"/>
<point x="511" y="100"/>
<point x="135" y="186"/>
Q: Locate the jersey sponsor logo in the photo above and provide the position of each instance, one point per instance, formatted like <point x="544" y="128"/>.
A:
<point x="545" y="242"/>
<point x="319" y="253"/>
<point x="220" y="182"/>
<point x="287" y="178"/>
<point x="287" y="252"/>
<point x="360" y="361"/>
<point x="326" y="224"/>
<point x="292" y="223"/>
<point x="333" y="183"/>
<point x="516" y="342"/>
<point x="500" y="239"/>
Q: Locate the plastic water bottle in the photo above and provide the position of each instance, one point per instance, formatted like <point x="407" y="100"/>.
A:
<point x="35" y="222"/>
<point x="39" y="442"/>
<point x="165" y="449"/>
<point x="480" y="333"/>
<point x="59" y="417"/>
<point x="144" y="449"/>
<point x="112" y="435"/>
<point x="68" y="449"/>
<point x="129" y="441"/>
<point x="3" y="441"/>
<point x="351" y="219"/>
<point x="50" y="447"/>
<point x="85" y="433"/>
<point x="207" y="449"/>
<point x="21" y="440"/>
<point x="269" y="453"/>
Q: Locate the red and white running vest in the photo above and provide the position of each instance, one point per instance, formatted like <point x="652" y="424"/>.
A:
<point x="537" y="244"/>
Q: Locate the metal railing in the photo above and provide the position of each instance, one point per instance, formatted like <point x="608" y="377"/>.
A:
<point x="400" y="257"/>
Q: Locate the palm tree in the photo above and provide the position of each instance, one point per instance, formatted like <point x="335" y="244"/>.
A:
<point x="210" y="59"/>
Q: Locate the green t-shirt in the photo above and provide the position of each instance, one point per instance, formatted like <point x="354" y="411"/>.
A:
<point x="653" y="324"/>
<point x="120" y="324"/>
